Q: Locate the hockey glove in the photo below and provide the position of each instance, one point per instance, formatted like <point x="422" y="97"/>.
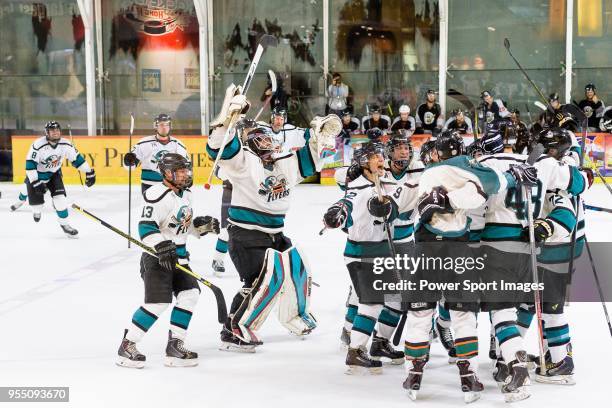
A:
<point x="130" y="159"/>
<point x="378" y="208"/>
<point x="589" y="175"/>
<point x="166" y="252"/>
<point x="524" y="174"/>
<point x="39" y="187"/>
<point x="90" y="178"/>
<point x="335" y="216"/>
<point x="542" y="230"/>
<point x="435" y="202"/>
<point x="207" y="224"/>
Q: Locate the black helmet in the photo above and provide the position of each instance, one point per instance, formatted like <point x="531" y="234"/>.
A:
<point x="474" y="149"/>
<point x="162" y="117"/>
<point x="374" y="109"/>
<point x="346" y="112"/>
<point x="449" y="144"/>
<point x="369" y="149"/>
<point x="172" y="162"/>
<point x="52" y="124"/>
<point x="484" y="94"/>
<point x="426" y="149"/>
<point x="397" y="140"/>
<point x="278" y="111"/>
<point x="374" y="134"/>
<point x="558" y="140"/>
<point x="261" y="142"/>
<point x="590" y="87"/>
<point x="553" y="97"/>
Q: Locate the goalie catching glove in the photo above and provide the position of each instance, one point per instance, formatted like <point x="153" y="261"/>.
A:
<point x="325" y="130"/>
<point x="206" y="224"/>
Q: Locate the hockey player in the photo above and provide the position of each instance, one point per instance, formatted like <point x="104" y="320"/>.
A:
<point x="349" y="126"/>
<point x="447" y="191"/>
<point x="592" y="106"/>
<point x="459" y="122"/>
<point x="521" y="133"/>
<point x="366" y="240"/>
<point x="166" y="221"/>
<point x="44" y="172"/>
<point x="556" y="118"/>
<point x="429" y="114"/>
<point x="262" y="185"/>
<point x="150" y="150"/>
<point x="288" y="137"/>
<point x="504" y="239"/>
<point x="404" y="122"/>
<point x="375" y="120"/>
<point x="491" y="109"/>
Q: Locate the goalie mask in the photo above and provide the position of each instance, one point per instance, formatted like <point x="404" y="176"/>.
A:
<point x="53" y="132"/>
<point x="180" y="170"/>
<point x="399" y="151"/>
<point x="263" y="144"/>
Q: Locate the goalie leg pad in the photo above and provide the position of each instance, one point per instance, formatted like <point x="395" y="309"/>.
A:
<point x="261" y="297"/>
<point x="293" y="308"/>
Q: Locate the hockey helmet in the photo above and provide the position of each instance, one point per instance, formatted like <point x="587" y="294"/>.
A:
<point x="449" y="144"/>
<point x="172" y="162"/>
<point x="397" y="140"/>
<point x="362" y="155"/>
<point x="475" y="150"/>
<point x="53" y="137"/>
<point x="278" y="111"/>
<point x="374" y="134"/>
<point x="426" y="149"/>
<point x="556" y="141"/>
<point x="404" y="109"/>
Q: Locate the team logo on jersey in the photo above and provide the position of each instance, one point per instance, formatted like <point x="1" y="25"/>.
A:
<point x="274" y="187"/>
<point x="158" y="156"/>
<point x="428" y="118"/>
<point x="52" y="161"/>
<point x="182" y="219"/>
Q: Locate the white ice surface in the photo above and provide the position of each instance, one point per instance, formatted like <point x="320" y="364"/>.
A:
<point x="64" y="304"/>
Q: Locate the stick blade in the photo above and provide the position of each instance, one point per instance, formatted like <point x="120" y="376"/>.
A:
<point x="536" y="151"/>
<point x="221" y="306"/>
<point x="273" y="82"/>
<point x="507" y="43"/>
<point x="268" y="40"/>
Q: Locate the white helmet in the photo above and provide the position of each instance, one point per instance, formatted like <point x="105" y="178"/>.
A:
<point x="404" y="109"/>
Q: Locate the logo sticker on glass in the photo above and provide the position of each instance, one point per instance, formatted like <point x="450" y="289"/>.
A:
<point x="151" y="80"/>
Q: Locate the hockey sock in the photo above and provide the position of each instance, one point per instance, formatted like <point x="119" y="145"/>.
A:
<point x="221" y="247"/>
<point x="363" y="324"/>
<point x="443" y="315"/>
<point x="507" y="334"/>
<point x="556" y="333"/>
<point x="524" y="318"/>
<point x="186" y="301"/>
<point x="142" y="320"/>
<point x="418" y="325"/>
<point x="388" y="320"/>
<point x="36" y="209"/>
<point x="59" y="203"/>
<point x="466" y="336"/>
<point x="349" y="318"/>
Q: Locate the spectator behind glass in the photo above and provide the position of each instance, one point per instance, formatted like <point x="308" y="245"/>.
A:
<point x="592" y="106"/>
<point x="338" y="95"/>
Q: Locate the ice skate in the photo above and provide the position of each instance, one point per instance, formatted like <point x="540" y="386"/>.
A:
<point x="69" y="231"/>
<point x="470" y="385"/>
<point x="517" y="387"/>
<point x="231" y="342"/>
<point x="561" y="373"/>
<point x="218" y="268"/>
<point x="36" y="216"/>
<point x="358" y="361"/>
<point x="415" y="375"/>
<point x="501" y="373"/>
<point x="129" y="356"/>
<point x="382" y="348"/>
<point x="177" y="355"/>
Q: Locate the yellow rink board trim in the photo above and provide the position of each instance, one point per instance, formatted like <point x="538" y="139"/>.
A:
<point x="105" y="155"/>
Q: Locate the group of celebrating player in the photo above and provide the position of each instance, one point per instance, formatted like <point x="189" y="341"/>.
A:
<point x="394" y="201"/>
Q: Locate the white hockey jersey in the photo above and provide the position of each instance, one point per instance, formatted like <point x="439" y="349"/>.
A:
<point x="469" y="185"/>
<point x="166" y="215"/>
<point x="289" y="137"/>
<point x="149" y="151"/>
<point x="261" y="195"/>
<point x="407" y="188"/>
<point x="367" y="237"/>
<point x="43" y="160"/>
<point x="507" y="211"/>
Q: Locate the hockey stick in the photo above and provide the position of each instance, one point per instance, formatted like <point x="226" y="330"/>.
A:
<point x="538" y="149"/>
<point x="273" y="86"/>
<point x="601" y="296"/>
<point x="221" y="306"/>
<point x="595" y="208"/>
<point x="265" y="42"/>
<point x="130" y="181"/>
<point x="72" y="142"/>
